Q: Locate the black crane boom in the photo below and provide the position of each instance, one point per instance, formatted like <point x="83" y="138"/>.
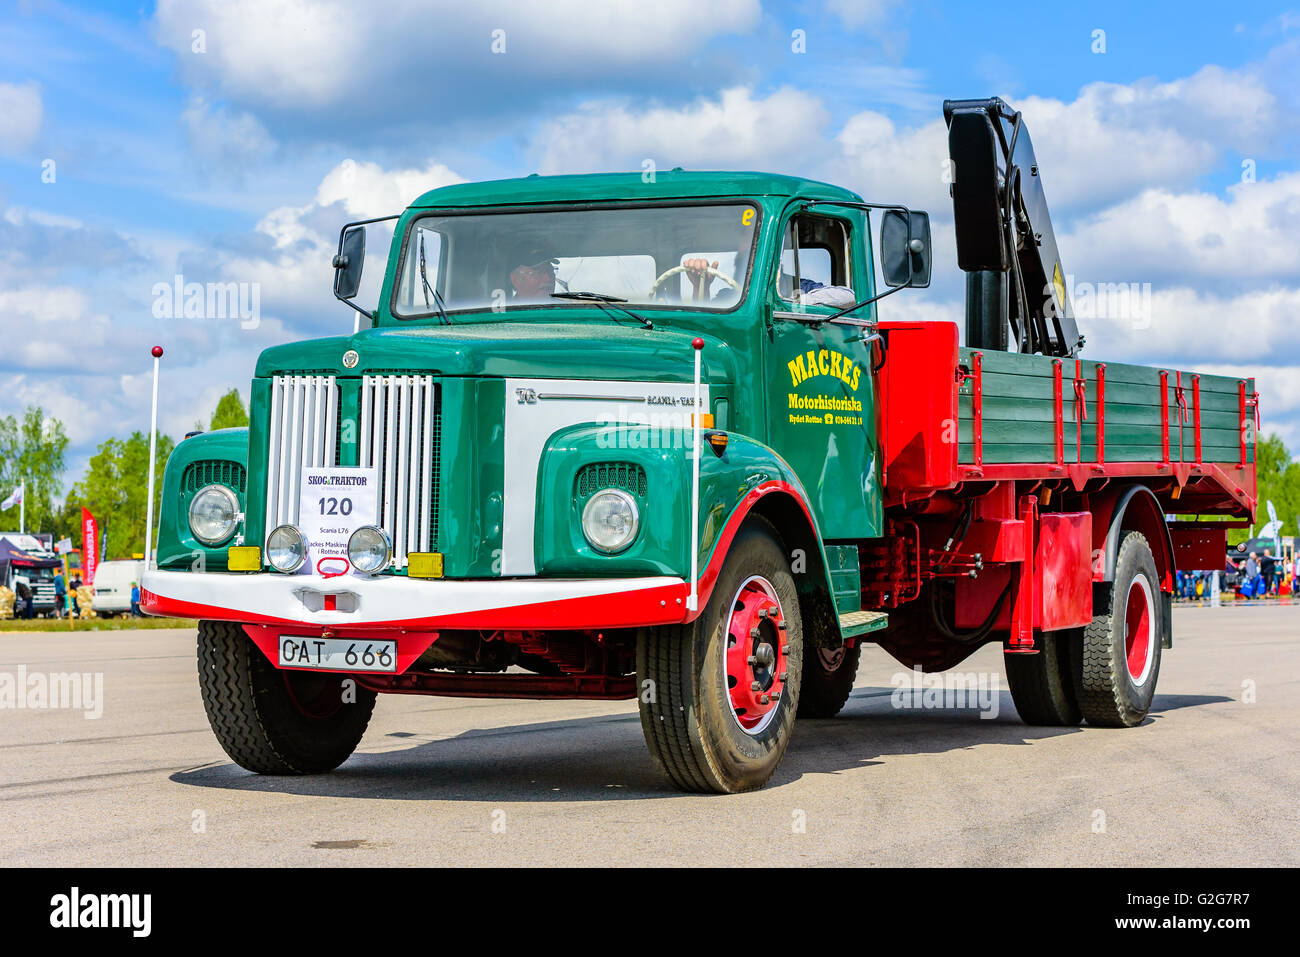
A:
<point x="1005" y="242"/>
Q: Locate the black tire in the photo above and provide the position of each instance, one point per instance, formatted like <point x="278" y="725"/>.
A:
<point x="828" y="678"/>
<point x="1042" y="685"/>
<point x="1108" y="692"/>
<point x="271" y="721"/>
<point x="685" y="699"/>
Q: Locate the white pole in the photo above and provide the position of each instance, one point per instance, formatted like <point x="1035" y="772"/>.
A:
<point x="693" y="600"/>
<point x="22" y="507"/>
<point x="153" y="451"/>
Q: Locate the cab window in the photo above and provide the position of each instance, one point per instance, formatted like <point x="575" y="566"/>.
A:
<point x="815" y="262"/>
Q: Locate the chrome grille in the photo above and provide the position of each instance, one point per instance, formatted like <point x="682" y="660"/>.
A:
<point x="400" y="418"/>
<point x="303" y="433"/>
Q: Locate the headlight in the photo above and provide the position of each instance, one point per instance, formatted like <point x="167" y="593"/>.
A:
<point x="285" y="549"/>
<point x="610" y="519"/>
<point x="214" y="511"/>
<point x="369" y="549"/>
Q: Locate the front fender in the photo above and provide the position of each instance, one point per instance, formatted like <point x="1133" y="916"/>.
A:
<point x="654" y="466"/>
<point x="219" y="457"/>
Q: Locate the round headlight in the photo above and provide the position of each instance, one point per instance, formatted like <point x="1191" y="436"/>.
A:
<point x="286" y="549"/>
<point x="214" y="512"/>
<point x="610" y="519"/>
<point x="369" y="549"/>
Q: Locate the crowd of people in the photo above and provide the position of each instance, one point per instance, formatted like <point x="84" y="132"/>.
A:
<point x="1265" y="575"/>
<point x="1255" y="576"/>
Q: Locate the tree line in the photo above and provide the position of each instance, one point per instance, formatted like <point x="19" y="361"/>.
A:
<point x="33" y="449"/>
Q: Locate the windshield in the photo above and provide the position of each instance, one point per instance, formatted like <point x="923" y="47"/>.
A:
<point x="654" y="256"/>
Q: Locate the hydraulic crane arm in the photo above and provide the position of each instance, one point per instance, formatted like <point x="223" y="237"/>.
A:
<point x="1005" y="243"/>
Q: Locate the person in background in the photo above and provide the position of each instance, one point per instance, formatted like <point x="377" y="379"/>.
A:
<point x="1252" y="582"/>
<point x="135" y="600"/>
<point x="23" y="591"/>
<point x="60" y="594"/>
<point x="1268" y="568"/>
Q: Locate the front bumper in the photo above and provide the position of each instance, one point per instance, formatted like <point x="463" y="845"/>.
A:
<point x="386" y="602"/>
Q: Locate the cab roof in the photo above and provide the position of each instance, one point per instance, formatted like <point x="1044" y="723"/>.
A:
<point x="593" y="187"/>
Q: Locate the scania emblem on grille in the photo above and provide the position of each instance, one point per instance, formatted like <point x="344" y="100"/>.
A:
<point x="350" y="359"/>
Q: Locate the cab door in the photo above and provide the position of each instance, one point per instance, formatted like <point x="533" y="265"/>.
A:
<point x="820" y="385"/>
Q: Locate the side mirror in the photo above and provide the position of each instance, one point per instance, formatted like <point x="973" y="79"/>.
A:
<point x="349" y="261"/>
<point x="905" y="248"/>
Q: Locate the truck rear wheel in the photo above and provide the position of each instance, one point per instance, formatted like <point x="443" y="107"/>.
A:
<point x="828" y="678"/>
<point x="1119" y="658"/>
<point x="718" y="697"/>
<point x="271" y="721"/>
<point x="1042" y="685"/>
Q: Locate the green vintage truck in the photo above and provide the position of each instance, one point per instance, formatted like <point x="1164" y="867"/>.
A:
<point x="623" y="436"/>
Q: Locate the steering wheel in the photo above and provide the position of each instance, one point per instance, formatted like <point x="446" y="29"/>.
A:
<point x="708" y="270"/>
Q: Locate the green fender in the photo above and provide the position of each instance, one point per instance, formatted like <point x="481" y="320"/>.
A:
<point x="219" y="457"/>
<point x="654" y="467"/>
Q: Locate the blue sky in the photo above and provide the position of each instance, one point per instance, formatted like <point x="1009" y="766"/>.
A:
<point x="235" y="152"/>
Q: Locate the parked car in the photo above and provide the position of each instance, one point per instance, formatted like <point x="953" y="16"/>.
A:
<point x="113" y="582"/>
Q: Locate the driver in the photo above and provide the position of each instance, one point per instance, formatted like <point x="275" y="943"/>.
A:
<point x="534" y="283"/>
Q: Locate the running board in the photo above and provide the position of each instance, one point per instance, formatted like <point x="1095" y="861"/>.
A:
<point x="860" y="622"/>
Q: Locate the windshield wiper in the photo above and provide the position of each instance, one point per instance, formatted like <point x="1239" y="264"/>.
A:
<point x="607" y="303"/>
<point x="437" y="298"/>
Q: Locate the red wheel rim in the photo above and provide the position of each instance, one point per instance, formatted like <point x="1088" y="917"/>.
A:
<point x="1139" y="630"/>
<point x="754" y="664"/>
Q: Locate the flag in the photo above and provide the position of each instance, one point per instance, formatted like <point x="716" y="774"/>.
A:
<point x="89" y="546"/>
<point x="15" y="499"/>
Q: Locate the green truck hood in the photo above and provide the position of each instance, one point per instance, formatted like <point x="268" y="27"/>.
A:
<point x="566" y="350"/>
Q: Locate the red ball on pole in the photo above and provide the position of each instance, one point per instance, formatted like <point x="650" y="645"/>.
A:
<point x="156" y="352"/>
<point x="697" y="343"/>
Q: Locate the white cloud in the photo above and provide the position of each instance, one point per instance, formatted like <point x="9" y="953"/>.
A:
<point x="1254" y="232"/>
<point x="887" y="165"/>
<point x="295" y="273"/>
<point x="731" y="131"/>
<point x="1189" y="326"/>
<point x="367" y="189"/>
<point x="56" y="327"/>
<point x="296" y="54"/>
<point x="21" y="112"/>
<point x="225" y="139"/>
<point x="1115" y="139"/>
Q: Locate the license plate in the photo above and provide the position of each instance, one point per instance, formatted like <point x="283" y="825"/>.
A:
<point x="337" y="654"/>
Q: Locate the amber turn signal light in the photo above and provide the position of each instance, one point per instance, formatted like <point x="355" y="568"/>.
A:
<point x="423" y="564"/>
<point x="244" y="558"/>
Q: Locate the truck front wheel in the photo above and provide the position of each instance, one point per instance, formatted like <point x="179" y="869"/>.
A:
<point x="271" y="721"/>
<point x="718" y="697"/>
<point x="1119" y="658"/>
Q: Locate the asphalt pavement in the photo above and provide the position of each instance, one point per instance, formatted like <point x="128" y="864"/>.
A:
<point x="1211" y="778"/>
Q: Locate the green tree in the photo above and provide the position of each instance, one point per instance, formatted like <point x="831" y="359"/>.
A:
<point x="32" y="454"/>
<point x="1278" y="478"/>
<point x="115" y="489"/>
<point x="230" y="412"/>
